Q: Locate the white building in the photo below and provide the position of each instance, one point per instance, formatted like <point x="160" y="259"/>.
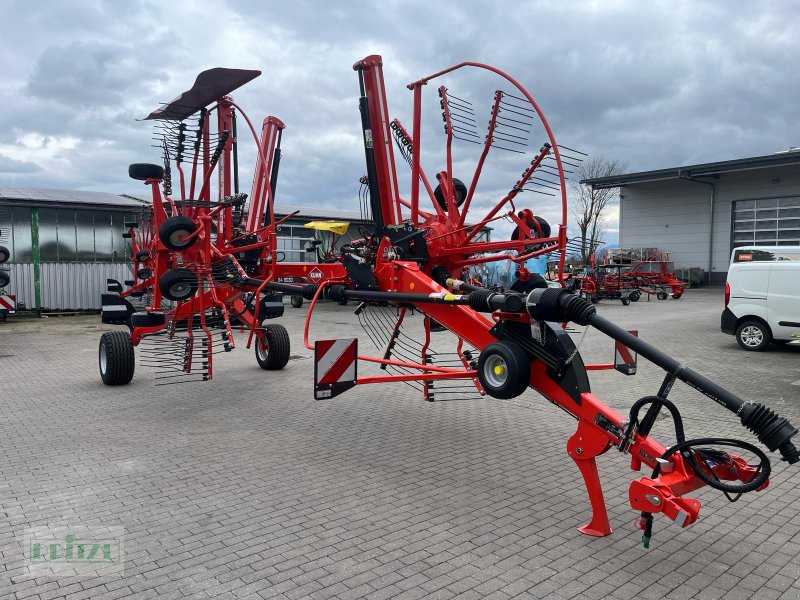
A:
<point x="698" y="213"/>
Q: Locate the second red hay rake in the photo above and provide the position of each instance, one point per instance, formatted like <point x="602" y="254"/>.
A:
<point x="418" y="258"/>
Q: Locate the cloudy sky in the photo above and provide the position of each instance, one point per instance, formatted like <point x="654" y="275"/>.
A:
<point x="652" y="84"/>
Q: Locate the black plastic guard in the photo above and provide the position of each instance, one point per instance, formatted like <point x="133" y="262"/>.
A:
<point x="557" y="350"/>
<point x="116" y="310"/>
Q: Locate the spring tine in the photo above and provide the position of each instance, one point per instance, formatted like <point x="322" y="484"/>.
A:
<point x="501" y="118"/>
<point x="528" y="108"/>
<point x="467" y="140"/>
<point x="560" y="146"/>
<point x="466" y="131"/>
<point x="519" y="137"/>
<point x="514" y="111"/>
<point x="501" y="138"/>
<point x="507" y="149"/>
<point x="512" y="127"/>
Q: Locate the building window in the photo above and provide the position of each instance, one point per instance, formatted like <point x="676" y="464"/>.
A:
<point x="766" y="222"/>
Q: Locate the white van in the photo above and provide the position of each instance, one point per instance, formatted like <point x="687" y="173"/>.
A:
<point x="762" y="296"/>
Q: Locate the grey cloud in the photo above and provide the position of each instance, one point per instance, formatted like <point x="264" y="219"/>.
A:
<point x="17" y="167"/>
<point x="651" y="84"/>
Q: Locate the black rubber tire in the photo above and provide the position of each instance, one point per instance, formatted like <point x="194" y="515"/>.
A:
<point x="753" y="336"/>
<point x="677" y="296"/>
<point x="515" y="365"/>
<point x="594" y="299"/>
<point x="634" y="296"/>
<point x="143" y="274"/>
<point x="5" y="279"/>
<point x="273" y="355"/>
<point x="460" y="188"/>
<point x="117" y="360"/>
<point x="174" y="229"/>
<point x="178" y="284"/>
<point x="626" y="301"/>
<point x="297" y="301"/>
<point x="662" y="295"/>
<point x="5" y="254"/>
<point x="142" y="255"/>
<point x="143" y="171"/>
<point x="148" y="319"/>
<point x="544" y="225"/>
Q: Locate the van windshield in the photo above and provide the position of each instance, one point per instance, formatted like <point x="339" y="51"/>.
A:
<point x="761" y="255"/>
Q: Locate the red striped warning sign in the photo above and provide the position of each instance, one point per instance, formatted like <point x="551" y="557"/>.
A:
<point x="335" y="364"/>
<point x="8" y="302"/>
<point x="625" y="359"/>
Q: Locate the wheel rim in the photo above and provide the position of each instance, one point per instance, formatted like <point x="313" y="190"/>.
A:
<point x="178" y="238"/>
<point x="495" y="370"/>
<point x="103" y="359"/>
<point x="181" y="289"/>
<point x="751" y="336"/>
<point x="262" y="348"/>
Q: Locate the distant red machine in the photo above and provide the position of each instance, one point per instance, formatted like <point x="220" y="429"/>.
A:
<point x="656" y="276"/>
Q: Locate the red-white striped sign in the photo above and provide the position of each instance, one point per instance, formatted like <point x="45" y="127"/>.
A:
<point x="335" y="363"/>
<point x="624" y="358"/>
<point x="8" y="302"/>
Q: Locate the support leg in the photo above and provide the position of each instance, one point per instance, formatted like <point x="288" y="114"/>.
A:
<point x="583" y="447"/>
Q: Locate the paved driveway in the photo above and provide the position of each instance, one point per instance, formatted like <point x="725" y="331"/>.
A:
<point x="247" y="487"/>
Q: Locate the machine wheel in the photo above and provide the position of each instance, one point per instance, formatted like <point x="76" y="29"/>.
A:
<point x="5" y="279"/>
<point x="625" y="301"/>
<point x="753" y="335"/>
<point x="677" y="296"/>
<point x="4" y="254"/>
<point x="504" y="369"/>
<point x="272" y="348"/>
<point x="297" y="301"/>
<point x="178" y="284"/>
<point x="634" y="296"/>
<point x="594" y="299"/>
<point x="143" y="274"/>
<point x="174" y="231"/>
<point x="662" y="295"/>
<point x="142" y="255"/>
<point x="117" y="359"/>
<point x="143" y="171"/>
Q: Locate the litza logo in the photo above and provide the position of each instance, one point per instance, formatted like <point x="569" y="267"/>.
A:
<point x="316" y="275"/>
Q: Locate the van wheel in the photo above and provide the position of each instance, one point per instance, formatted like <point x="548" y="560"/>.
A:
<point x="753" y="335"/>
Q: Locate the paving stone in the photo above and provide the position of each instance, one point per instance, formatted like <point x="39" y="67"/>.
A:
<point x="246" y="487"/>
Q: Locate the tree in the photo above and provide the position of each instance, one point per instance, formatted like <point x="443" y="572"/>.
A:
<point x="589" y="205"/>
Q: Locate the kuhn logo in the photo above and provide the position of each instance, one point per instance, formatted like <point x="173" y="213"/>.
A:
<point x="316" y="275"/>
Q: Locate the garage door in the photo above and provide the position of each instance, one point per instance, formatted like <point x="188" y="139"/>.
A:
<point x="766" y="222"/>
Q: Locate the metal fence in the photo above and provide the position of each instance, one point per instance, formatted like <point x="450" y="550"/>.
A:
<point x="65" y="286"/>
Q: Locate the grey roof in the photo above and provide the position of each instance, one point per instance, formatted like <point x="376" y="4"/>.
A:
<point x="70" y="197"/>
<point x="781" y="159"/>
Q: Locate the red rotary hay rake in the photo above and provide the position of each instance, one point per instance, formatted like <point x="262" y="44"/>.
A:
<point x="416" y="260"/>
